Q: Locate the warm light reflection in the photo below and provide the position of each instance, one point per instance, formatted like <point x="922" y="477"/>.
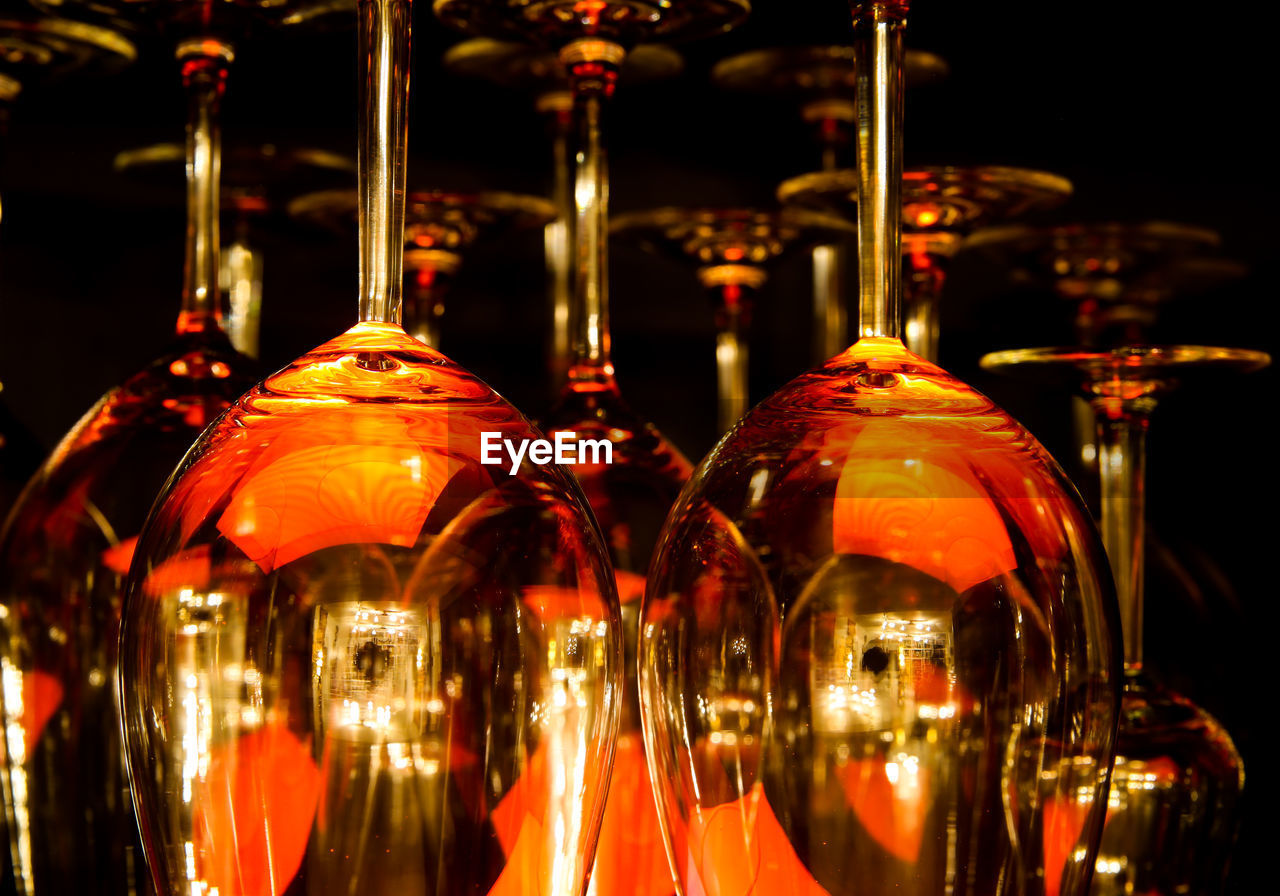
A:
<point x="922" y="507"/>
<point x="739" y="849"/>
<point x="630" y="857"/>
<point x="890" y="799"/>
<point x="254" y="813"/>
<point x="308" y="498"/>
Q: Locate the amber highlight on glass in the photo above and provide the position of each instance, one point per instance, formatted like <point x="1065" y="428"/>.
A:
<point x="632" y="495"/>
<point x="356" y="657"/>
<point x="733" y="251"/>
<point x="1173" y="809"/>
<point x="879" y="644"/>
<point x="66" y="548"/>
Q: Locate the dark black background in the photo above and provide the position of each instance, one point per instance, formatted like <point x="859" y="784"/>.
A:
<point x="1152" y="112"/>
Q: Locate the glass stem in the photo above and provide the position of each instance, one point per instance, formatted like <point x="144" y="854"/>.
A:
<point x="384" y="139"/>
<point x="558" y="107"/>
<point x="1122" y="434"/>
<point x="593" y="72"/>
<point x="204" y="75"/>
<point x="733" y="301"/>
<point x="878" y="27"/>
<point x="924" y="277"/>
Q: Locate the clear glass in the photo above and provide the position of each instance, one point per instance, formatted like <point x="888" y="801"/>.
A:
<point x="536" y="69"/>
<point x="879" y="642"/>
<point x="33" y="46"/>
<point x="819" y="81"/>
<point x="256" y="180"/>
<point x="440" y="227"/>
<point x="940" y="207"/>
<point x="66" y="548"/>
<point x="360" y="652"/>
<point x="634" y="490"/>
<point x="1173" y="809"/>
<point x="733" y="251"/>
<point x="1115" y="278"/>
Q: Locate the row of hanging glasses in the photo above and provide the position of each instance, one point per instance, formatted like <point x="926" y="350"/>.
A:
<point x="873" y="642"/>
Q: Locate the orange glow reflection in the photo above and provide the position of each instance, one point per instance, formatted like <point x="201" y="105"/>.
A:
<point x="630" y="585"/>
<point x="919" y="507"/>
<point x="889" y="800"/>
<point x="190" y="569"/>
<point x="742" y="849"/>
<point x="630" y="857"/>
<point x="1063" y="821"/>
<point x="118" y="557"/>
<point x="253" y="821"/>
<point x="352" y="476"/>
<point x="41" y="697"/>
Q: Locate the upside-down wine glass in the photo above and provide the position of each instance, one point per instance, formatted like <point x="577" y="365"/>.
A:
<point x="1173" y="808"/>
<point x="35" y="46"/>
<point x="358" y="654"/>
<point x="1115" y="278"/>
<point x="440" y="227"/>
<point x="633" y="487"/>
<point x="940" y="207"/>
<point x="538" y="70"/>
<point x="733" y="250"/>
<point x="257" y="181"/>
<point x="878" y="642"/>
<point x="820" y="80"/>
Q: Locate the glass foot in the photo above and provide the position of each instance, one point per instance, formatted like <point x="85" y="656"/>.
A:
<point x="560" y="21"/>
<point x="939" y="199"/>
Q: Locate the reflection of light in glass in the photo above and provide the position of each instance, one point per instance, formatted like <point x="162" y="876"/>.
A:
<point x="370" y="671"/>
<point x="16" y="742"/>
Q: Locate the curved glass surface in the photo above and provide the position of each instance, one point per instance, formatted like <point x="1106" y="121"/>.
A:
<point x="877" y="651"/>
<point x="361" y="653"/>
<point x="64" y="555"/>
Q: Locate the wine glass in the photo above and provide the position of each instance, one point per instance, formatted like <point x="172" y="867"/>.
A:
<point x="1173" y="808"/>
<point x="1114" y="278"/>
<point x="537" y="70"/>
<point x="877" y="645"/>
<point x="256" y="180"/>
<point x="363" y="650"/>
<point x="733" y="250"/>
<point x="440" y="227"/>
<point x="67" y="544"/>
<point x="631" y="495"/>
<point x="940" y="207"/>
<point x="820" y="81"/>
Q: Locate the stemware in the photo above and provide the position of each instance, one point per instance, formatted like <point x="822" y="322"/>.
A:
<point x="537" y="70"/>
<point x="820" y="80"/>
<point x="1173" y="807"/>
<point x="256" y="180"/>
<point x="632" y="494"/>
<point x="940" y="207"/>
<point x="34" y="45"/>
<point x="1113" y="278"/>
<point x="733" y="250"/>
<point x="359" y="654"/>
<point x="877" y="645"/>
<point x="440" y="227"/>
